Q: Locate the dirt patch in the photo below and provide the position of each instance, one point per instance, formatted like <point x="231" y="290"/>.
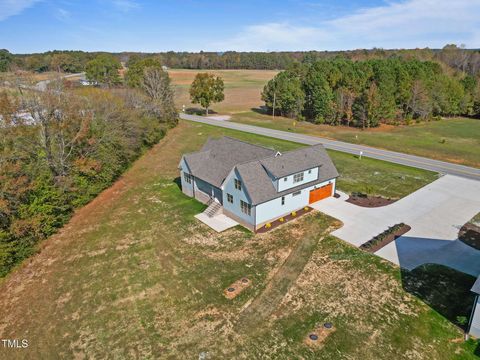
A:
<point x="385" y="238"/>
<point x="236" y="288"/>
<point x="470" y="235"/>
<point x="369" y="201"/>
<point x="317" y="337"/>
<point x="285" y="219"/>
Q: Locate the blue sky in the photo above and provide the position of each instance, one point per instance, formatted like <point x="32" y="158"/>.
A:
<point x="242" y="25"/>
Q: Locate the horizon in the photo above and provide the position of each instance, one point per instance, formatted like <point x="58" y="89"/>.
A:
<point x="117" y="26"/>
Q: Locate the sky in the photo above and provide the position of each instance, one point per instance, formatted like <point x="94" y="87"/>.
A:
<point x="28" y="26"/>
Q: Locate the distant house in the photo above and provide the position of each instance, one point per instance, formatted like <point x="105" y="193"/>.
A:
<point x="87" y="82"/>
<point x="474" y="326"/>
<point x="254" y="184"/>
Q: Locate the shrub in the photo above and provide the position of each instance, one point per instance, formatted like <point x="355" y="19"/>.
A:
<point x="294" y="213"/>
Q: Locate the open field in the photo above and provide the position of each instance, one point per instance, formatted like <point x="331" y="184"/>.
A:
<point x="455" y="140"/>
<point x="134" y="275"/>
<point x="242" y="88"/>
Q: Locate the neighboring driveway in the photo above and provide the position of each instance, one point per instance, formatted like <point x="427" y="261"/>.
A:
<point x="435" y="213"/>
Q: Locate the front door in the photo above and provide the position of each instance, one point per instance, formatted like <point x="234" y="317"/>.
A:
<point x="320" y="193"/>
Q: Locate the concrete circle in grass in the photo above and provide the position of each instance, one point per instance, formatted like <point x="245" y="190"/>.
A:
<point x="244" y="280"/>
<point x="313" y="337"/>
<point x="328" y="325"/>
<point x="231" y="289"/>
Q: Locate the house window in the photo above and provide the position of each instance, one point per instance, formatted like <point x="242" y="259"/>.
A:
<point x="230" y="198"/>
<point x="310" y="171"/>
<point x="297" y="193"/>
<point x="246" y="208"/>
<point x="238" y="184"/>
<point x="298" y="177"/>
<point x="283" y="200"/>
<point x="187" y="177"/>
<point x="285" y="179"/>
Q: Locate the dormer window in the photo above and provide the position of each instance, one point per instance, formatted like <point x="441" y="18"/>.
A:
<point x="310" y="171"/>
<point x="238" y="184"/>
<point x="298" y="178"/>
<point x="285" y="179"/>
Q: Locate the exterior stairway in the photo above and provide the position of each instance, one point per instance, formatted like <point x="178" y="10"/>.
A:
<point x="214" y="208"/>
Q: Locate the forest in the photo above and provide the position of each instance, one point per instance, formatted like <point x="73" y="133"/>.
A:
<point x="369" y="92"/>
<point x="456" y="57"/>
<point x="60" y="148"/>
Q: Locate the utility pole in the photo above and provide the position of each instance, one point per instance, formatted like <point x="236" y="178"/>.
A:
<point x="274" y="98"/>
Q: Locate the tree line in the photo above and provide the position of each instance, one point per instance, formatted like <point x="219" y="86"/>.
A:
<point x="366" y="93"/>
<point x="60" y="148"/>
<point x="454" y="56"/>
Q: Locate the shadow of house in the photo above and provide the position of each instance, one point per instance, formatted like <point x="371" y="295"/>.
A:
<point x="178" y="182"/>
<point x="445" y="290"/>
<point x="441" y="273"/>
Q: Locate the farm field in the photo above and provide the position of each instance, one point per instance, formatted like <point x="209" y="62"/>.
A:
<point x="133" y="274"/>
<point x="242" y="88"/>
<point x="455" y="140"/>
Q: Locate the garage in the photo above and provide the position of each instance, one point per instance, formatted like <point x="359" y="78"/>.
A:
<point x="320" y="193"/>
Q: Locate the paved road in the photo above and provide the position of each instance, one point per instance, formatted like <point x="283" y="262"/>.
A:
<point x="42" y="85"/>
<point x="395" y="157"/>
<point x="435" y="213"/>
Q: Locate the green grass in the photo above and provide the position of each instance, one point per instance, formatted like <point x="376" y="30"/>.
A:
<point x="455" y="140"/>
<point x="134" y="275"/>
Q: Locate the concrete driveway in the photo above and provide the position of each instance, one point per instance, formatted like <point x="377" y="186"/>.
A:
<point x="435" y="213"/>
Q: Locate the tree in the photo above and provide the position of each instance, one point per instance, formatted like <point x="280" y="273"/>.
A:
<point x="104" y="69"/>
<point x="5" y="60"/>
<point x="284" y="92"/>
<point x="63" y="62"/>
<point x="157" y="86"/>
<point x="136" y="70"/>
<point x="206" y="89"/>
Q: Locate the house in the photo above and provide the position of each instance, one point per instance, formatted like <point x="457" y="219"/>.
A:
<point x="474" y="326"/>
<point x="255" y="185"/>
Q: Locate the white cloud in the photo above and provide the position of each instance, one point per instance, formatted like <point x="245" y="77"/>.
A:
<point x="13" y="7"/>
<point x="406" y="24"/>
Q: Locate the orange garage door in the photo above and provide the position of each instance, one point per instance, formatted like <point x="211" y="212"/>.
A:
<point x="320" y="193"/>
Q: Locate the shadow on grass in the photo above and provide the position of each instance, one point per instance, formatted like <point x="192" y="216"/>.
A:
<point x="178" y="182"/>
<point x="199" y="111"/>
<point x="445" y="290"/>
<point x="263" y="110"/>
<point x="477" y="349"/>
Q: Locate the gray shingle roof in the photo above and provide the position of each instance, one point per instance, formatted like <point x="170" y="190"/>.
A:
<point x="476" y="286"/>
<point x="218" y="157"/>
<point x="259" y="185"/>
<point x="296" y="161"/>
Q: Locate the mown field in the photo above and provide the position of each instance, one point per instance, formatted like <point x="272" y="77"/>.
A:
<point x="242" y="88"/>
<point x="134" y="275"/>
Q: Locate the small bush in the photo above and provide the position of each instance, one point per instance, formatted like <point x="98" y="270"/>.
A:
<point x="294" y="213"/>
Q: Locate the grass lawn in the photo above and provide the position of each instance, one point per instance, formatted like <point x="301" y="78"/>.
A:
<point x="455" y="140"/>
<point x="242" y="88"/>
<point x="134" y="275"/>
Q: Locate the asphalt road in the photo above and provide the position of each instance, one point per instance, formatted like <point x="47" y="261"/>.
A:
<point x="367" y="151"/>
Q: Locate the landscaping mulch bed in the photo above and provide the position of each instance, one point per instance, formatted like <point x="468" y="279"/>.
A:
<point x="385" y="238"/>
<point x="470" y="235"/>
<point x="286" y="219"/>
<point x="369" y="201"/>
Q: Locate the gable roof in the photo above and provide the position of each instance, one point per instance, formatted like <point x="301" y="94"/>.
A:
<point x="296" y="161"/>
<point x="476" y="286"/>
<point x="260" y="186"/>
<point x="219" y="156"/>
<point x="254" y="164"/>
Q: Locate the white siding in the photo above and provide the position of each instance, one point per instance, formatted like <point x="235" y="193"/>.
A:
<point x="286" y="182"/>
<point x="274" y="209"/>
<point x="475" y="324"/>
